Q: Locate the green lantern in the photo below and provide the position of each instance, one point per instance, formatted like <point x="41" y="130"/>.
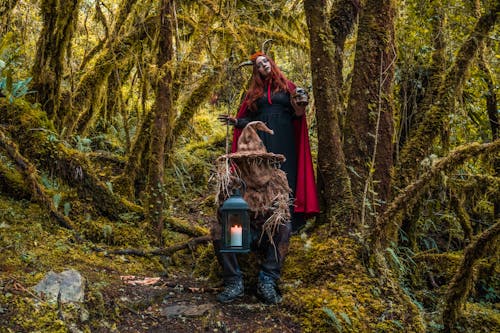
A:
<point x="235" y="224"/>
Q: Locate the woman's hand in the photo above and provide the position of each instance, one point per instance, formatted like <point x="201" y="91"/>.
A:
<point x="300" y="109"/>
<point x="227" y="120"/>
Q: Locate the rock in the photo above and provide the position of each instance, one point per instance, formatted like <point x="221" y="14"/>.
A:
<point x="186" y="310"/>
<point x="70" y="284"/>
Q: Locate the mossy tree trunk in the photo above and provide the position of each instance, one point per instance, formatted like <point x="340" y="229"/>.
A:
<point x="163" y="118"/>
<point x="419" y="145"/>
<point x="368" y="127"/>
<point x="333" y="179"/>
<point x="462" y="281"/>
<point x="59" y="21"/>
<point x="30" y="174"/>
<point x="70" y="165"/>
<point x="127" y="179"/>
<point x="412" y="113"/>
<point x="90" y="94"/>
<point x="5" y="14"/>
<point x="492" y="110"/>
<point x="430" y="78"/>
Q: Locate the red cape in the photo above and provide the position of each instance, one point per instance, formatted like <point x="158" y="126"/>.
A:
<point x="306" y="197"/>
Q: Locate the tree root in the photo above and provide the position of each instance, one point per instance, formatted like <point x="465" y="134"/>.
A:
<point x="183" y="227"/>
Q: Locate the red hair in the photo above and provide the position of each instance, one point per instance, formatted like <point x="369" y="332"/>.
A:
<point x="276" y="79"/>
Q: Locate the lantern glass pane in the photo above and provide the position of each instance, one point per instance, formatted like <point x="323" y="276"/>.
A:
<point x="234" y="230"/>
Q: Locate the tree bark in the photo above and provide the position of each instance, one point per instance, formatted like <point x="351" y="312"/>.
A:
<point x="368" y="129"/>
<point x="163" y="118"/>
<point x="333" y="179"/>
<point x="5" y="15"/>
<point x="59" y="21"/>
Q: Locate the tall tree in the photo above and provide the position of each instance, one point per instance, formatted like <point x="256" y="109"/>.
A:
<point x="59" y="22"/>
<point x="369" y="117"/>
<point x="163" y="119"/>
<point x="333" y="179"/>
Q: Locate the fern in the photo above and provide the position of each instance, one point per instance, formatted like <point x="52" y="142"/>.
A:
<point x="334" y="321"/>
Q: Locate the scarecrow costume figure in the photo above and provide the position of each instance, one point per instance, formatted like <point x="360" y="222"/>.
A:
<point x="265" y="188"/>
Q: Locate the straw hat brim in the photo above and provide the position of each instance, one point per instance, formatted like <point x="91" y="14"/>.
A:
<point x="254" y="155"/>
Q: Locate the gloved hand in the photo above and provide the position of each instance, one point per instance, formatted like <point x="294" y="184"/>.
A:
<point x="225" y="119"/>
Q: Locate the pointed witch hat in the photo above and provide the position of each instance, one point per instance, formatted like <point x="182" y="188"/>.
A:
<point x="250" y="146"/>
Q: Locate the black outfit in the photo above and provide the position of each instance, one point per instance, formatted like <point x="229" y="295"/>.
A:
<point x="278" y="116"/>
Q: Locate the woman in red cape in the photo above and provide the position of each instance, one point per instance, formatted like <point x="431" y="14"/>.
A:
<point x="269" y="100"/>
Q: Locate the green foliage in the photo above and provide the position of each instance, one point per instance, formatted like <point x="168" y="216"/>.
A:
<point x="11" y="87"/>
<point x="56" y="199"/>
<point x="335" y="322"/>
<point x="82" y="144"/>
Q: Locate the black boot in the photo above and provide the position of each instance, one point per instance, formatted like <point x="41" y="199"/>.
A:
<point x="232" y="290"/>
<point x="267" y="290"/>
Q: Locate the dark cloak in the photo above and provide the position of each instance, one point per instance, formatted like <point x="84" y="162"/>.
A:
<point x="276" y="111"/>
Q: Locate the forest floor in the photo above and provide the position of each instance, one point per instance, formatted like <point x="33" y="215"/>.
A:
<point x="183" y="304"/>
<point x="122" y="293"/>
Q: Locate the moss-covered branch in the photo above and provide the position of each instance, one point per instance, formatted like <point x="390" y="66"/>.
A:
<point x="37" y="142"/>
<point x="418" y="146"/>
<point x="89" y="88"/>
<point x="185" y="227"/>
<point x="12" y="181"/>
<point x="462" y="281"/>
<point x="166" y="251"/>
<point x="389" y="222"/>
<point x="196" y="98"/>
<point x="462" y="215"/>
<point x="30" y="172"/>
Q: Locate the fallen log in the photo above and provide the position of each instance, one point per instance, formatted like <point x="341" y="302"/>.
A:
<point x="161" y="251"/>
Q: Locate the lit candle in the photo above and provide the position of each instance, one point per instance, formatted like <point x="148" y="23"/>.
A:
<point x="236" y="235"/>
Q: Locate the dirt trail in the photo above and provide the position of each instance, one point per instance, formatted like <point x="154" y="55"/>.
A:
<point x="179" y="304"/>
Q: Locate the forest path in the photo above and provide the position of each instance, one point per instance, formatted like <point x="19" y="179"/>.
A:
<point x="185" y="304"/>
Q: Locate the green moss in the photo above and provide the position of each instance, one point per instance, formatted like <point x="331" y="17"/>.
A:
<point x="32" y="245"/>
<point x="30" y="315"/>
<point x="329" y="290"/>
<point x="102" y="230"/>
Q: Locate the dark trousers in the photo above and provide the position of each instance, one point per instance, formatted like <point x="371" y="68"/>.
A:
<point x="272" y="256"/>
